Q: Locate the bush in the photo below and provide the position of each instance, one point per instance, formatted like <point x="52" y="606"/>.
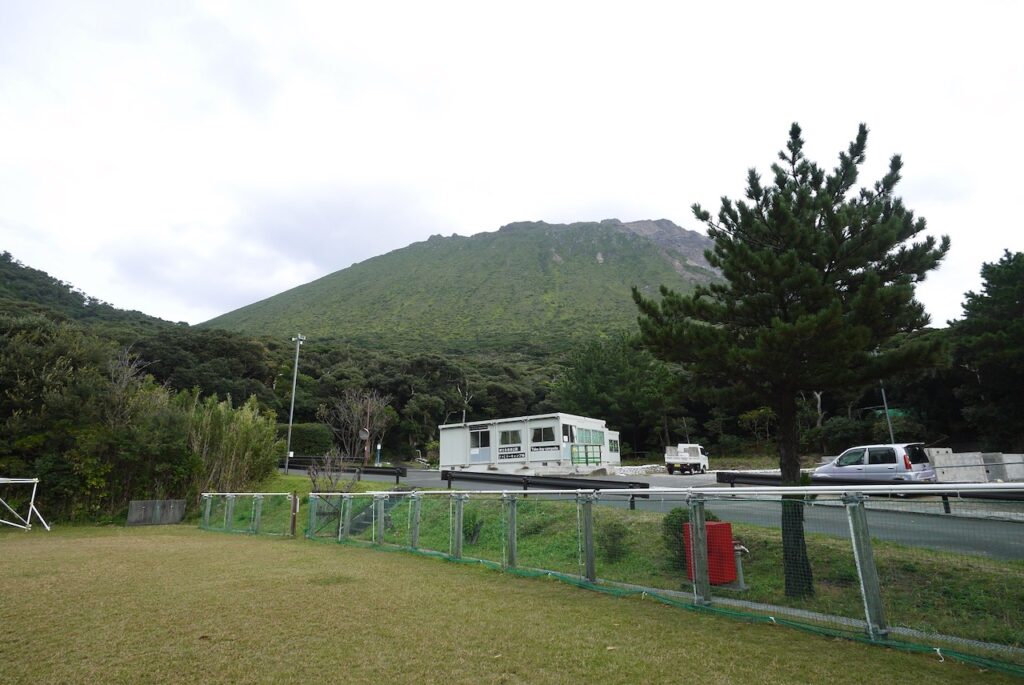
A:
<point x="840" y="432"/>
<point x="611" y="540"/>
<point x="672" y="534"/>
<point x="308" y="439"/>
<point x="905" y="428"/>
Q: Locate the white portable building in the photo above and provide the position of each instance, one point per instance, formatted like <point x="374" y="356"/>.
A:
<point x="553" y="444"/>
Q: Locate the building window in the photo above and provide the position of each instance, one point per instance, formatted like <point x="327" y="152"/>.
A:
<point x="510" y="438"/>
<point x="613" y="446"/>
<point x="568" y="433"/>
<point x="544" y="434"/>
<point x="480" y="438"/>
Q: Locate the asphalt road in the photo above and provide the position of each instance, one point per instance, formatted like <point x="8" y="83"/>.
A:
<point x="905" y="523"/>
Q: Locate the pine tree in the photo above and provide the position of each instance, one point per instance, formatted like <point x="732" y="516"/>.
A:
<point x="989" y="346"/>
<point x="818" y="281"/>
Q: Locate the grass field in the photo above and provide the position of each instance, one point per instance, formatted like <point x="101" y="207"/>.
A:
<point x="175" y="604"/>
<point x="952" y="594"/>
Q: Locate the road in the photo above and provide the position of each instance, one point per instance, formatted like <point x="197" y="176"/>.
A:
<point x="977" y="536"/>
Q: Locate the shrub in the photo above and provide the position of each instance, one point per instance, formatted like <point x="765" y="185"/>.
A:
<point x="840" y="432"/>
<point x="308" y="439"/>
<point x="611" y="540"/>
<point x="672" y="534"/>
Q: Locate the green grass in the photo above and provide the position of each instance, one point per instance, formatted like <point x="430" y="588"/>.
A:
<point x="174" y="604"/>
<point x="952" y="594"/>
<point x="303" y="486"/>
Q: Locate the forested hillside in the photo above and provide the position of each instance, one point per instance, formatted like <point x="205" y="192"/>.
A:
<point x="529" y="287"/>
<point x="24" y="290"/>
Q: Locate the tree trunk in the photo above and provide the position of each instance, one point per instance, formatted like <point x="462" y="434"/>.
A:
<point x="796" y="566"/>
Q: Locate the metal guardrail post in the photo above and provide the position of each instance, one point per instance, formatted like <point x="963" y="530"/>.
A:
<point x="512" y="548"/>
<point x="229" y="513"/>
<point x="414" y="525"/>
<point x="378" y="516"/>
<point x="699" y="551"/>
<point x="257" y="514"/>
<point x="586" y="505"/>
<point x="460" y="501"/>
<point x="345" y="524"/>
<point x="207" y="504"/>
<point x="867" y="571"/>
<point x="314" y="500"/>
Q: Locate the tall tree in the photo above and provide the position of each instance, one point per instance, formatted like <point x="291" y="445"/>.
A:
<point x="617" y="380"/>
<point x="989" y="344"/>
<point x="358" y="419"/>
<point x="817" y="279"/>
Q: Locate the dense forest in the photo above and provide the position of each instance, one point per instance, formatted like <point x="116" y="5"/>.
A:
<point x="109" y="405"/>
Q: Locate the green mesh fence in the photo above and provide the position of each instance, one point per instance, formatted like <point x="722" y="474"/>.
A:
<point x="946" y="575"/>
<point x="251" y="513"/>
<point x="548" y="534"/>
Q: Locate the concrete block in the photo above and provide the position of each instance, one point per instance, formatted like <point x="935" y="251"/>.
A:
<point x="962" y="467"/>
<point x="994" y="466"/>
<point x="1014" y="466"/>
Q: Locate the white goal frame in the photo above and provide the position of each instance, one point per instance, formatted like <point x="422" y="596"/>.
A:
<point x="6" y="509"/>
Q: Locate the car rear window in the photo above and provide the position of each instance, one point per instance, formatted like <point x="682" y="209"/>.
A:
<point x="917" y="454"/>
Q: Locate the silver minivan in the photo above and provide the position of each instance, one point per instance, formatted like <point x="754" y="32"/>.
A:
<point x="902" y="462"/>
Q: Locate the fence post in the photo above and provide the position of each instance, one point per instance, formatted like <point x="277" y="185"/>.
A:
<point x="257" y="513"/>
<point x="294" y="512"/>
<point x="414" y="524"/>
<point x="512" y="547"/>
<point x="346" y="517"/>
<point x="699" y="551"/>
<point x="866" y="569"/>
<point x="229" y="513"/>
<point x="207" y="503"/>
<point x="586" y="507"/>
<point x="378" y="515"/>
<point x="460" y="500"/>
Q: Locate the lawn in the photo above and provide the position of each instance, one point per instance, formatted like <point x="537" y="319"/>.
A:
<point x="176" y="604"/>
<point x="946" y="593"/>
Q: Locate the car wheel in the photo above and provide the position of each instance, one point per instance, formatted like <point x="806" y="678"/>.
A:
<point x="703" y="469"/>
<point x="669" y="467"/>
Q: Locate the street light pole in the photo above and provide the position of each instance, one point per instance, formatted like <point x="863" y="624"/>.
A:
<point x="298" y="340"/>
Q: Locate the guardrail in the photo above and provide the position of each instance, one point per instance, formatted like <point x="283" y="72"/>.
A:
<point x="348" y="466"/>
<point x="549" y="482"/>
<point x="1008" y="491"/>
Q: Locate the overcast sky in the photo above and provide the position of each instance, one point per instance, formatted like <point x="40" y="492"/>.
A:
<point x="186" y="159"/>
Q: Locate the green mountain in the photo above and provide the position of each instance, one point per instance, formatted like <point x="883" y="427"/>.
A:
<point x="24" y="290"/>
<point x="528" y="287"/>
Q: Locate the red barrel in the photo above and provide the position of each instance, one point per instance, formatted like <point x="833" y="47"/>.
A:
<point x="721" y="559"/>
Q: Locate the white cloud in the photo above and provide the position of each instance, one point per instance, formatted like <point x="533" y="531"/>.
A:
<point x="189" y="158"/>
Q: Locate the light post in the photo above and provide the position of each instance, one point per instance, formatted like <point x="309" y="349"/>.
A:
<point x="298" y="340"/>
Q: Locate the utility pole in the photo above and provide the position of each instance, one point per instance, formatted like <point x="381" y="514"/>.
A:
<point x="885" y="405"/>
<point x="298" y="340"/>
<point x="366" y="438"/>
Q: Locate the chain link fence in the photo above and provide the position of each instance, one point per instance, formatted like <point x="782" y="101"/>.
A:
<point x="923" y="573"/>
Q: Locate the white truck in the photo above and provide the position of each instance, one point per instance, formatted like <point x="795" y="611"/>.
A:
<point x="686" y="458"/>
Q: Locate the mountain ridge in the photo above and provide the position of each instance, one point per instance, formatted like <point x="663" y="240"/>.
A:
<point x="529" y="286"/>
